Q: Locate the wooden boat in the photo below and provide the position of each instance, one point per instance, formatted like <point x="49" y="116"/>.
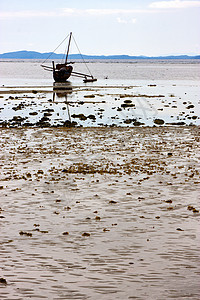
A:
<point x="62" y="71"/>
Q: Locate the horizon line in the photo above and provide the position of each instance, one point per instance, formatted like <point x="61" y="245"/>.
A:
<point x="99" y="55"/>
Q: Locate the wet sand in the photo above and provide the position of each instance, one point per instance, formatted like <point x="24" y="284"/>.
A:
<point x="100" y="213"/>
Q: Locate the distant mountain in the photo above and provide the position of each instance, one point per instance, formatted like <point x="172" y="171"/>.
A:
<point x="37" y="55"/>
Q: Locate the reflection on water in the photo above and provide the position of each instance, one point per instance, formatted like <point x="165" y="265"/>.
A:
<point x="108" y="105"/>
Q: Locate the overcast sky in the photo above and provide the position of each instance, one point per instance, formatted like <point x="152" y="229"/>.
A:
<point x="133" y="27"/>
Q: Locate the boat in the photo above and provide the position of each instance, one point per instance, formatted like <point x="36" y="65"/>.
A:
<point x="63" y="71"/>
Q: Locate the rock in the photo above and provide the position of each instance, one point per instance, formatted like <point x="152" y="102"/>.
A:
<point x="124" y="105"/>
<point x="86" y="234"/>
<point x="67" y="208"/>
<point x="82" y="117"/>
<point x="127" y="101"/>
<point x="190" y="106"/>
<point x="138" y="123"/>
<point x="112" y="202"/>
<point x="190" y="207"/>
<point x="89" y="96"/>
<point x="25" y="233"/>
<point x="34" y="113"/>
<point x="40" y="172"/>
<point x="176" y="123"/>
<point x="159" y="121"/>
<point x="92" y="117"/>
<point x="170" y="208"/>
<point x="128" y="121"/>
<point x="65" y="233"/>
<point x="3" y="281"/>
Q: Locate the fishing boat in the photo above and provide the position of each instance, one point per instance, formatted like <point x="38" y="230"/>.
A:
<point x="62" y="71"/>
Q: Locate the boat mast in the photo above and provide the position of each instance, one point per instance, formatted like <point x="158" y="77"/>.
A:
<point x="68" y="48"/>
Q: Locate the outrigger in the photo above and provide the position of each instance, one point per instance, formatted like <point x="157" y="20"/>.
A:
<point x="62" y="71"/>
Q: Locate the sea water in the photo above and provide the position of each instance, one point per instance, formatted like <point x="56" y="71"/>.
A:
<point x="21" y="72"/>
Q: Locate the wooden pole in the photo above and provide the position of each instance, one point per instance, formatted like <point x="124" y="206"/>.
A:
<point x="68" y="48"/>
<point x="53" y="65"/>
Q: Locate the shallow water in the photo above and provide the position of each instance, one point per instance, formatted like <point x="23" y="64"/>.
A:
<point x="134" y="191"/>
<point x="167" y="90"/>
<point x="30" y="72"/>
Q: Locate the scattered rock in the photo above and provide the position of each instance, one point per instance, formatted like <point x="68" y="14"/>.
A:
<point x="190" y="106"/>
<point x="86" y="234"/>
<point x="34" y="113"/>
<point x="159" y="121"/>
<point x="92" y="117"/>
<point x="89" y="96"/>
<point x="168" y="201"/>
<point x="3" y="281"/>
<point x="112" y="202"/>
<point x="25" y="233"/>
<point x="66" y="233"/>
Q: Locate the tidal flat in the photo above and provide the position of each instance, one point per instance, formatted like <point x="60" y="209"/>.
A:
<point x="99" y="191"/>
<point x="100" y="213"/>
<point x="143" y="104"/>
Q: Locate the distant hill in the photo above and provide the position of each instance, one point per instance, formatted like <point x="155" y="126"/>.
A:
<point x="37" y="55"/>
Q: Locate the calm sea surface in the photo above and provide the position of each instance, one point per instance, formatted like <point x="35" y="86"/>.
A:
<point x="30" y="72"/>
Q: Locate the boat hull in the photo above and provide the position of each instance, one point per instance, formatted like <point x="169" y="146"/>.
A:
<point x="62" y="74"/>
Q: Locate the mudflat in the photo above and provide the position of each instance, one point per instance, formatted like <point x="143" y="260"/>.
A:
<point x="100" y="213"/>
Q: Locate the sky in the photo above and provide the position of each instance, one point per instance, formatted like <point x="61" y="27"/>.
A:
<point x="105" y="27"/>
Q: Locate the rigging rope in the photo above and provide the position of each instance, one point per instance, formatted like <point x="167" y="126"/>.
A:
<point x="55" y="49"/>
<point x="65" y="51"/>
<point x="81" y="55"/>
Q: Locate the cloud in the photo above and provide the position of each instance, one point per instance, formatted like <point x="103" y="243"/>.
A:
<point x="26" y="14"/>
<point x="123" y="21"/>
<point x="174" y="4"/>
<point x="114" y="11"/>
<point x="71" y="12"/>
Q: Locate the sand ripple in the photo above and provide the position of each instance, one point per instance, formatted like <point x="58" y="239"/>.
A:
<point x="99" y="213"/>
